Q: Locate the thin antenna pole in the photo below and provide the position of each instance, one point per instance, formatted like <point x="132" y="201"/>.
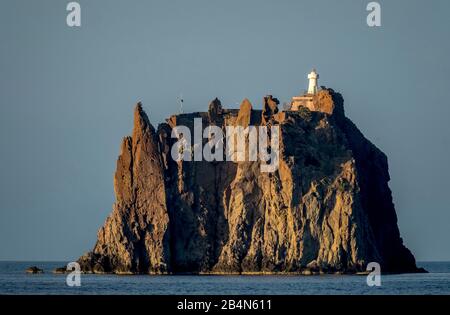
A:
<point x="181" y="103"/>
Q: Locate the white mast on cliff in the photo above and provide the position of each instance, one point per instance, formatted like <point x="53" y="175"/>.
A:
<point x="313" y="77"/>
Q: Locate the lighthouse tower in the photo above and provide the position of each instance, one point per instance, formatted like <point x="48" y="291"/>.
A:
<point x="307" y="99"/>
<point x="312" y="87"/>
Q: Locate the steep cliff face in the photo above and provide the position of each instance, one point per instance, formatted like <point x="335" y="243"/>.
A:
<point x="135" y="236"/>
<point x="327" y="208"/>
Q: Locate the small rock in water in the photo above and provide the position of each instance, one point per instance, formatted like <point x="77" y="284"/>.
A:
<point x="60" y="270"/>
<point x="34" y="270"/>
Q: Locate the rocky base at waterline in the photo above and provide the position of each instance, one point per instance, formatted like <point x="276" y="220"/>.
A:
<point x="326" y="209"/>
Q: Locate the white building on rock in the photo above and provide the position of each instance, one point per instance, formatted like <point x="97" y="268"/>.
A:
<point x="307" y="98"/>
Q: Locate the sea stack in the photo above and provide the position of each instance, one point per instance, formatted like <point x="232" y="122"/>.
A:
<point x="326" y="209"/>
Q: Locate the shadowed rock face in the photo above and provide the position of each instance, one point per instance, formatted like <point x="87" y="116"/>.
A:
<point x="328" y="207"/>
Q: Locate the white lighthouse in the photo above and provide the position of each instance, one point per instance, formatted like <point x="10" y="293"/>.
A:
<point x="307" y="99"/>
<point x="312" y="87"/>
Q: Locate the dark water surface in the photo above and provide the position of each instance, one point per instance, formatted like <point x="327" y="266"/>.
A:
<point x="14" y="280"/>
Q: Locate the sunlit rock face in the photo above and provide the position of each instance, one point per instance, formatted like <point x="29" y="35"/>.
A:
<point x="326" y="209"/>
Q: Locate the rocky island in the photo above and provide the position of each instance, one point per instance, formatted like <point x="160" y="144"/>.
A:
<point x="326" y="209"/>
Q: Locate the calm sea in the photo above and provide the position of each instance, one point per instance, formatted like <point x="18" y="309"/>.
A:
<point x="14" y="280"/>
